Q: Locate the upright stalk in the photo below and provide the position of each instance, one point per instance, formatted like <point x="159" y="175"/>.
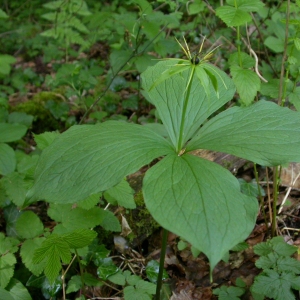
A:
<point x="161" y="263"/>
<point x="185" y="104"/>
<point x="275" y="198"/>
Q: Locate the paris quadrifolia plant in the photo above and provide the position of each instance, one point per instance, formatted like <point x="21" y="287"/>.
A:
<point x="195" y="198"/>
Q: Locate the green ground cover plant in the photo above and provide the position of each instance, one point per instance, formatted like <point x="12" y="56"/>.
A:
<point x="194" y="104"/>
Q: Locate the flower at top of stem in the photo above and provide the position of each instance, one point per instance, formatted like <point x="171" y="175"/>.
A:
<point x="196" y="64"/>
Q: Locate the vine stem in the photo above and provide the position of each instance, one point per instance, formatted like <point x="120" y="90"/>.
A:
<point x="161" y="263"/>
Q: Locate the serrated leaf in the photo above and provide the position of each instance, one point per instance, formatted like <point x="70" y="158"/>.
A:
<point x="43" y="140"/>
<point x="262" y="249"/>
<point x="281" y="247"/>
<point x="247" y="83"/>
<point x="181" y="185"/>
<point x="146" y="287"/>
<point x="8" y="244"/>
<point x="88" y="159"/>
<point x="27" y="250"/>
<point x="288" y="264"/>
<point x="7" y="159"/>
<point x="18" y="290"/>
<point x="7" y="266"/>
<point x="274" y="285"/>
<point x="169" y="99"/>
<point x="263" y="133"/>
<point x="232" y="16"/>
<point x="110" y="222"/>
<point x="74" y="284"/>
<point x="11" y="132"/>
<point x="229" y="293"/>
<point x="117" y="278"/>
<point x="29" y="225"/>
<point x="90" y="201"/>
<point x="274" y="43"/>
<point x="106" y="268"/>
<point x="121" y="194"/>
<point x="133" y="279"/>
<point x="52" y="250"/>
<point x="267" y="262"/>
<point x="131" y="293"/>
<point x="245" y="59"/>
<point x="79" y="238"/>
<point x="270" y="88"/>
<point x="14" y="187"/>
<point x="75" y="218"/>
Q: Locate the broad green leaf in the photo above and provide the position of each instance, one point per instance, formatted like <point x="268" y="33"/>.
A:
<point x="5" y="62"/>
<point x="232" y="16"/>
<point x="27" y="250"/>
<point x="7" y="159"/>
<point x="146" y="287"/>
<point x="11" y="215"/>
<point x="121" y="194"/>
<point x="29" y="225"/>
<point x="169" y="98"/>
<point x="43" y="140"/>
<point x="294" y="98"/>
<point x="14" y="186"/>
<point x="117" y="278"/>
<point x="106" y="268"/>
<point x="75" y="218"/>
<point x="3" y="14"/>
<point x="248" y="5"/>
<point x="21" y="118"/>
<point x="110" y="222"/>
<point x="134" y="293"/>
<point x="250" y="188"/>
<point x="275" y="44"/>
<point x="4" y="294"/>
<point x="18" y="290"/>
<point x="152" y="270"/>
<point x="79" y="238"/>
<point x="74" y="284"/>
<point x="88" y="159"/>
<point x="212" y="219"/>
<point x="7" y="266"/>
<point x="264" y="133"/>
<point x="270" y="88"/>
<point x="11" y="132"/>
<point x="247" y="83"/>
<point x="245" y="59"/>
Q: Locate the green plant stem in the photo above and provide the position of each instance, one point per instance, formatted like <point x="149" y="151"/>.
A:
<point x="185" y="104"/>
<point x="284" y="56"/>
<point x="81" y="272"/>
<point x="275" y="198"/>
<point x="161" y="263"/>
<point x="260" y="196"/>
